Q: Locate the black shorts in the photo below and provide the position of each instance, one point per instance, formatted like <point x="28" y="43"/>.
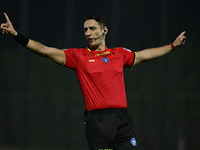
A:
<point x="110" y="129"/>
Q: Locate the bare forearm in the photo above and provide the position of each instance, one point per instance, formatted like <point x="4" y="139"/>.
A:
<point x="30" y="44"/>
<point x="54" y="54"/>
<point x="152" y="53"/>
<point x="158" y="52"/>
<point x="37" y="47"/>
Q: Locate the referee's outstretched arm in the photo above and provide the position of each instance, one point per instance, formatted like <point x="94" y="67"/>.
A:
<point x="55" y="54"/>
<point x="152" y="53"/>
<point x="58" y="55"/>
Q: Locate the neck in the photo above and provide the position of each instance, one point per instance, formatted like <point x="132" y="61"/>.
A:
<point x="100" y="47"/>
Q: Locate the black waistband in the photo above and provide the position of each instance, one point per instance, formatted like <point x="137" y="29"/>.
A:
<point x="107" y="110"/>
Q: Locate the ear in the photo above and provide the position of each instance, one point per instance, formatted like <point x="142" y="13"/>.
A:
<point x="105" y="30"/>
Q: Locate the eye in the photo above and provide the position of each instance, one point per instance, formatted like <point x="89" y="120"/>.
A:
<point x="85" y="29"/>
<point x="93" y="28"/>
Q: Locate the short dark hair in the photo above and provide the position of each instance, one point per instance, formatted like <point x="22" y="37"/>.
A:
<point x="102" y="20"/>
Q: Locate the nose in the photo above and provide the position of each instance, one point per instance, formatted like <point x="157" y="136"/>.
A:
<point x="87" y="33"/>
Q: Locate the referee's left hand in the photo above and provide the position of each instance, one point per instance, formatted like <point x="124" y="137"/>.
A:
<point x="7" y="28"/>
<point x="180" y="40"/>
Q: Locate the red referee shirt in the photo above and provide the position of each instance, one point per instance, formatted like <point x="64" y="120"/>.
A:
<point x="100" y="74"/>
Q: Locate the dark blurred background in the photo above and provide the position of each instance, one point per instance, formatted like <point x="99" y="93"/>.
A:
<point x="41" y="104"/>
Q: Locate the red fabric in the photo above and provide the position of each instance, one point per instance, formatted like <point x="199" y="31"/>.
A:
<point x="100" y="75"/>
<point x="172" y="45"/>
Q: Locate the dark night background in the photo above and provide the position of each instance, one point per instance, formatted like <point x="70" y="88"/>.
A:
<point x="41" y="104"/>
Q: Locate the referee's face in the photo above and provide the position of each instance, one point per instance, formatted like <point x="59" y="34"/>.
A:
<point x="94" y="33"/>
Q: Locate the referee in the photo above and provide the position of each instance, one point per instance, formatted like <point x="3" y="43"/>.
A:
<point x="99" y="70"/>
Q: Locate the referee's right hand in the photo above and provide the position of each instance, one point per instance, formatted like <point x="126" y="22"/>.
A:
<point x="7" y="28"/>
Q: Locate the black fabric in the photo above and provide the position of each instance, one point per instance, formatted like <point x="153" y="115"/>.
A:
<point x="21" y="39"/>
<point x="109" y="129"/>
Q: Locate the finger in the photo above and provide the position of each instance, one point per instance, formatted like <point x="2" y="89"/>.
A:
<point x="182" y="33"/>
<point x="3" y="32"/>
<point x="3" y="26"/>
<point x="7" y="18"/>
<point x="184" y="37"/>
<point x="183" y="41"/>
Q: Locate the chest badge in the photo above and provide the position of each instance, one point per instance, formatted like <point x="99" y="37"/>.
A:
<point x="91" y="60"/>
<point x="106" y="60"/>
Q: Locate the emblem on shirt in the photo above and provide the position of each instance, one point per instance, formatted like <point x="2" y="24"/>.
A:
<point x="106" y="60"/>
<point x="104" y="53"/>
<point x="133" y="142"/>
<point x="91" y="60"/>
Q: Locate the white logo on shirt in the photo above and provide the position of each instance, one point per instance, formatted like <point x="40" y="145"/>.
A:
<point x="91" y="60"/>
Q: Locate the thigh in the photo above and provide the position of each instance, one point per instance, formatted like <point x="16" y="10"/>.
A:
<point x="126" y="145"/>
<point x="101" y="130"/>
<point x="125" y="139"/>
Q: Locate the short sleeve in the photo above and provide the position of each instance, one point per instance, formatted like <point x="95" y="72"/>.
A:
<point x="129" y="57"/>
<point x="71" y="60"/>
